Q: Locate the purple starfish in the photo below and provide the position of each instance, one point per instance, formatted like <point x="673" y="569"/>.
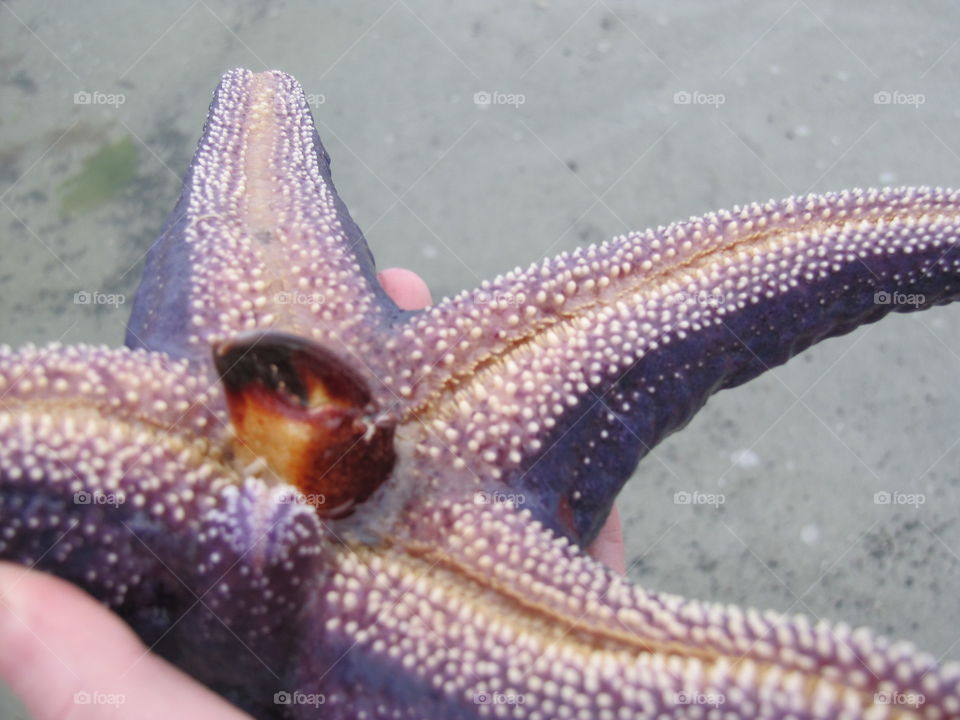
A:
<point x="301" y="494"/>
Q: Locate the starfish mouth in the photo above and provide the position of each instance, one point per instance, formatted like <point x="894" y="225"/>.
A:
<point x="309" y="417"/>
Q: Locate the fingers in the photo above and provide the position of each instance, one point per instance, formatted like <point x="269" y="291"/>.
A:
<point x="406" y="288"/>
<point x="64" y="655"/>
<point x="608" y="547"/>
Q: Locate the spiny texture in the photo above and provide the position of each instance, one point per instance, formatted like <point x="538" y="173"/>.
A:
<point x="114" y="475"/>
<point x="557" y="380"/>
<point x="481" y="603"/>
<point x="458" y="589"/>
<point x="259" y="238"/>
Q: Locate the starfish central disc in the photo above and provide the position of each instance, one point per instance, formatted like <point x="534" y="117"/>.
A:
<point x="308" y="416"/>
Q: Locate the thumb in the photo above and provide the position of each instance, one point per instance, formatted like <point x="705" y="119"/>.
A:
<point x="64" y="655"/>
<point x="608" y="547"/>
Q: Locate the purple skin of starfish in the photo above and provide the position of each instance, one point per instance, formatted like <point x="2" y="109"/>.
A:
<point x="183" y="481"/>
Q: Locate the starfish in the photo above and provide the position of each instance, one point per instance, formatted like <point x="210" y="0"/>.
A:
<point x="301" y="494"/>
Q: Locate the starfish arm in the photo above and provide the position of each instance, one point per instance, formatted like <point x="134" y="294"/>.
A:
<point x="477" y="610"/>
<point x="112" y="477"/>
<point x="259" y="238"/>
<point x="110" y="481"/>
<point x="555" y="381"/>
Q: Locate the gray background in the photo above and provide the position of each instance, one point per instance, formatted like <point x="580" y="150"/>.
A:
<point x="598" y="147"/>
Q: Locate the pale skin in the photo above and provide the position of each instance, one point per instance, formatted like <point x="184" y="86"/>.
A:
<point x="57" y="641"/>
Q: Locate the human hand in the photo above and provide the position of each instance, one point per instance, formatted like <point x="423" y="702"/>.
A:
<point x="65" y="655"/>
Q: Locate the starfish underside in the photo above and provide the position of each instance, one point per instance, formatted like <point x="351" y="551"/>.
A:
<point x="300" y="494"/>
